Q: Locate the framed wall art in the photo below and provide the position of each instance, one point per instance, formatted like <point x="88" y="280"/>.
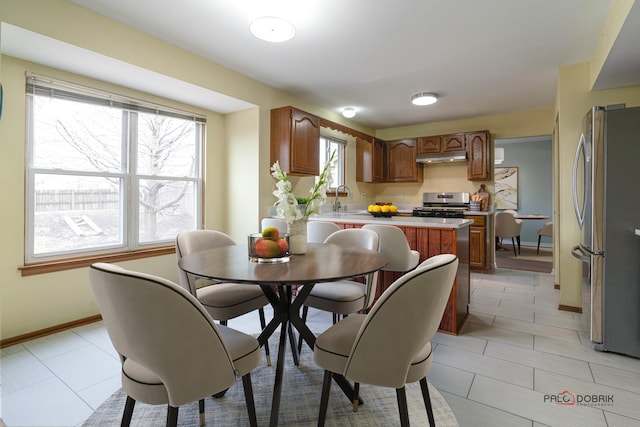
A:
<point x="506" y="187"/>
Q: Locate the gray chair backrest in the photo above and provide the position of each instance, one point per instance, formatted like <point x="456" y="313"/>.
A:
<point x="400" y="324"/>
<point x="507" y="225"/>
<point x="364" y="239"/>
<point x="164" y="328"/>
<point x="394" y="245"/>
<point x="318" y="231"/>
<point x="188" y="242"/>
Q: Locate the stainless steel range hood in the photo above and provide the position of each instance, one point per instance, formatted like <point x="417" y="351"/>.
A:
<point x="453" y="156"/>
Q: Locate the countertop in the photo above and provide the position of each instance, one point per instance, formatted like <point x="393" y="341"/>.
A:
<point x="408" y="221"/>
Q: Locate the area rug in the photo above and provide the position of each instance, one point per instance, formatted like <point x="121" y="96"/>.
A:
<point x="300" y="403"/>
<point x="527" y="260"/>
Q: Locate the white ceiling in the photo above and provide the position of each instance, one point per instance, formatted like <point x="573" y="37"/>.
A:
<point x="481" y="57"/>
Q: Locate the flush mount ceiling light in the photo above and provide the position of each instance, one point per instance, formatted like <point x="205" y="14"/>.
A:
<point x="272" y="28"/>
<point x="349" y="112"/>
<point x="424" y="98"/>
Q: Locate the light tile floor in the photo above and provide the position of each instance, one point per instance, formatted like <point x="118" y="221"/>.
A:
<point x="515" y="350"/>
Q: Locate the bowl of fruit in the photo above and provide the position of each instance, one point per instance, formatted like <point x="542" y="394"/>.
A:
<point x="382" y="209"/>
<point x="269" y="246"/>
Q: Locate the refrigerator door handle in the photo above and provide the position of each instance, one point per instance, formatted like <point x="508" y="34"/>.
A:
<point x="579" y="253"/>
<point x="574" y="184"/>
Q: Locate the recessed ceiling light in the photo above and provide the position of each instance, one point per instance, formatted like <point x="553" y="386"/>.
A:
<point x="272" y="28"/>
<point x="349" y="112"/>
<point x="424" y="98"/>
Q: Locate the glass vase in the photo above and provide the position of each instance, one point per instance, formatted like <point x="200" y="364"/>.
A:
<point x="298" y="236"/>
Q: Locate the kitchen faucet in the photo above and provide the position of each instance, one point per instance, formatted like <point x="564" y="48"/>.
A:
<point x="336" y="204"/>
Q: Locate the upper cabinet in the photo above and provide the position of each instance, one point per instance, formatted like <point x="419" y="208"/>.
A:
<point x="478" y="156"/>
<point x="370" y="160"/>
<point x="295" y="141"/>
<point x="429" y="144"/>
<point x="401" y="161"/>
<point x="453" y="142"/>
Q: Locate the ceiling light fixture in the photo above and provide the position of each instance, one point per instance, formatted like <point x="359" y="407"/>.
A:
<point x="272" y="29"/>
<point x="349" y="112"/>
<point x="424" y="98"/>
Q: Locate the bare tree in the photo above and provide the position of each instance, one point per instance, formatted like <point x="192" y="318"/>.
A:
<point x="160" y="138"/>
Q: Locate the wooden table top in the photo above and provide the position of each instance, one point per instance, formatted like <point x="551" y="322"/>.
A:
<point x="321" y="263"/>
<point x="532" y="216"/>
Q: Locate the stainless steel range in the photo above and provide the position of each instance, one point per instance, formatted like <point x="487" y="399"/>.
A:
<point x="443" y="205"/>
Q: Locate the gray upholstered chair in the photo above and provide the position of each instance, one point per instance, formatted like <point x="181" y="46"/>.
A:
<point x="171" y="350"/>
<point x="394" y="245"/>
<point x="508" y="226"/>
<point x="223" y="301"/>
<point x="547" y="231"/>
<point x="390" y="346"/>
<point x="318" y="231"/>
<point x="344" y="297"/>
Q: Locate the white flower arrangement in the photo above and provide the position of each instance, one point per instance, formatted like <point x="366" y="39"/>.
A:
<point x="287" y="203"/>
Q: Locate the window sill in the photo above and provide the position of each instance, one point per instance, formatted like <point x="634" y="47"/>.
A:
<point x="72" y="263"/>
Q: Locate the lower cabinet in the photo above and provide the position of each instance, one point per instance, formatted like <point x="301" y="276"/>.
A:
<point x="430" y="241"/>
<point x="480" y="250"/>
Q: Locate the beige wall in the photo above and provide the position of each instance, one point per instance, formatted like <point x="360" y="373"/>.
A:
<point x="237" y="153"/>
<point x="237" y="147"/>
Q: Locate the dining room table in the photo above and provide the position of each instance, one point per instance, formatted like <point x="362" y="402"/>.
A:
<point x="320" y="263"/>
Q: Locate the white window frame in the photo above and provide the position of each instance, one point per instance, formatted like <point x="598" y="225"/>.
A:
<point x="129" y="179"/>
<point x="327" y="144"/>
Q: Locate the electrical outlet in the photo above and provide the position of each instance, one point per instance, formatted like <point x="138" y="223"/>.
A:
<point x="399" y="196"/>
<point x="363" y="195"/>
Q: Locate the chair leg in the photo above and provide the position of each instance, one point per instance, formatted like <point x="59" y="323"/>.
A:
<point x="172" y="416"/>
<point x="305" y="312"/>
<point x="402" y="406"/>
<point x="128" y="412"/>
<point x="513" y="242"/>
<point x="263" y="324"/>
<point x="248" y="397"/>
<point x="356" y="396"/>
<point x="538" y="250"/>
<point x="201" y="411"/>
<point x="518" y="240"/>
<point x="324" y="399"/>
<point x="427" y="401"/>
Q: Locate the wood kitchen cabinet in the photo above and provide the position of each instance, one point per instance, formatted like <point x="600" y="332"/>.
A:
<point x="370" y="160"/>
<point x="295" y="141"/>
<point x="480" y="248"/>
<point x="401" y="161"/>
<point x="478" y="156"/>
<point x="454" y="142"/>
<point x="429" y="144"/>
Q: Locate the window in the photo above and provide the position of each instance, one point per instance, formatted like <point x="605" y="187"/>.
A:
<point x="105" y="173"/>
<point x="327" y="146"/>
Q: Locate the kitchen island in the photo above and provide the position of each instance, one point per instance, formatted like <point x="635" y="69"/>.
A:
<point x="429" y="236"/>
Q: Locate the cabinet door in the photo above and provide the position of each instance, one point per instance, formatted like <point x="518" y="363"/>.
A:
<point x="478" y="156"/>
<point x="401" y="161"/>
<point x="364" y="160"/>
<point x="453" y="142"/>
<point x="295" y="141"/>
<point x="477" y="239"/>
<point x="370" y="156"/>
<point x="379" y="160"/>
<point x="429" y="144"/>
<point x="305" y="143"/>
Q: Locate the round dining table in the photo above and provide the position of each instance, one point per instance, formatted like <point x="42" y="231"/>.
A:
<point x="321" y="263"/>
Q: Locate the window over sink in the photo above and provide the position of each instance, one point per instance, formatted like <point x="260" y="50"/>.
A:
<point x="327" y="145"/>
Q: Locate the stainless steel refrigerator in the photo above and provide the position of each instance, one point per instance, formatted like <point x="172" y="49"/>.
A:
<point x="606" y="196"/>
